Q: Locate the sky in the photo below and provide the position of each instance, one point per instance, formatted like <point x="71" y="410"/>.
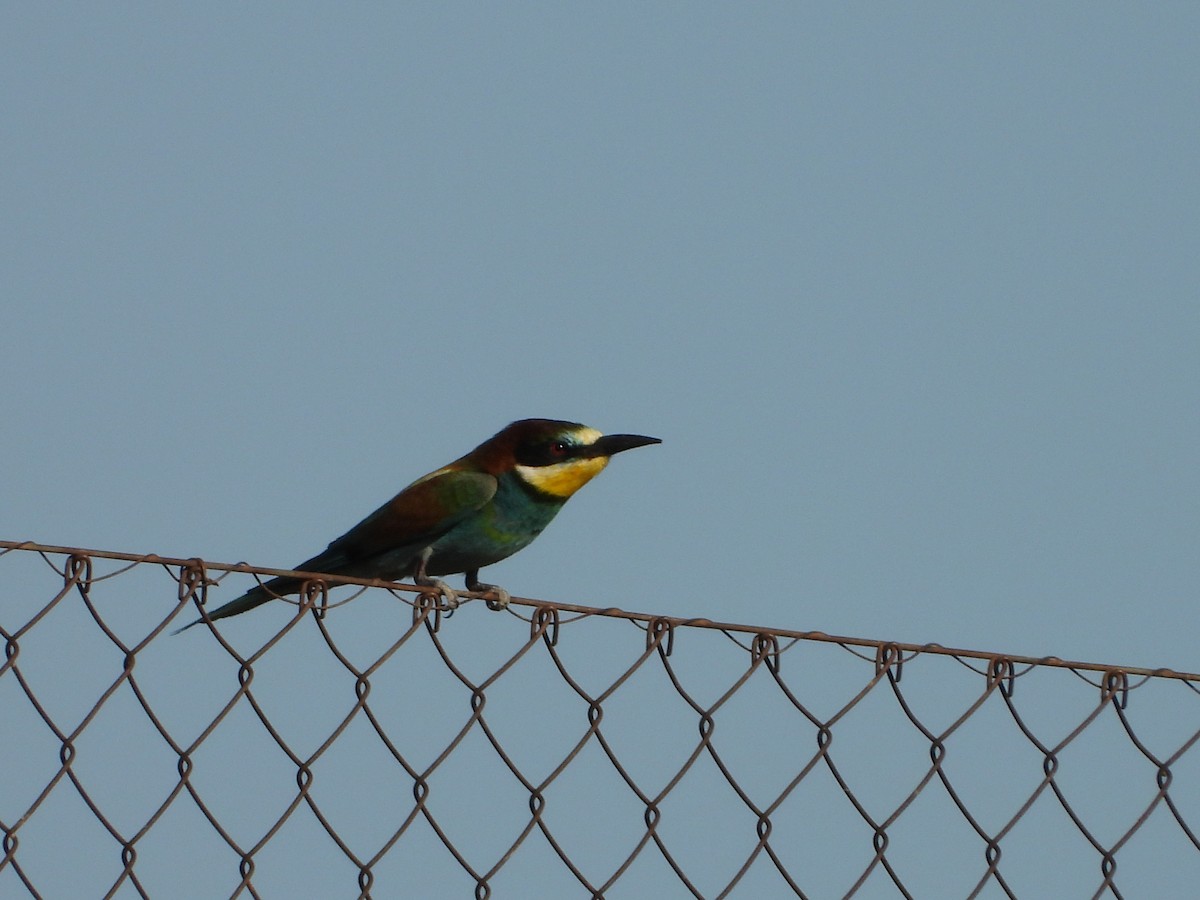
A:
<point x="909" y="294"/>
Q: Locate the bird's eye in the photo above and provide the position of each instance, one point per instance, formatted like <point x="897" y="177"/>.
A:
<point x="558" y="448"/>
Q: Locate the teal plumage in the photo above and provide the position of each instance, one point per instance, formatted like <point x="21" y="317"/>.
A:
<point x="476" y="511"/>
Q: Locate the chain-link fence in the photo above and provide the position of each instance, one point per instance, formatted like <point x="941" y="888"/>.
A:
<point x="390" y="749"/>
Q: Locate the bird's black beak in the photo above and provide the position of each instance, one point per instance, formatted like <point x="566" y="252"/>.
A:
<point x="611" y="444"/>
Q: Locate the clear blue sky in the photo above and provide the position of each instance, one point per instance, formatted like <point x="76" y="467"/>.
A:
<point x="910" y="295"/>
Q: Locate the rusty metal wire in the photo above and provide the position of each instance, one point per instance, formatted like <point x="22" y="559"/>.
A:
<point x="420" y="755"/>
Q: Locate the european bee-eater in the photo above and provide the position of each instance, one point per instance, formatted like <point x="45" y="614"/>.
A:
<point x="476" y="511"/>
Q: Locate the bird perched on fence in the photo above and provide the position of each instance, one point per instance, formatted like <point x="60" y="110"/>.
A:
<point x="476" y="511"/>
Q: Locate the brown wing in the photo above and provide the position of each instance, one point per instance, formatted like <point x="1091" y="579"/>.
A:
<point x="418" y="515"/>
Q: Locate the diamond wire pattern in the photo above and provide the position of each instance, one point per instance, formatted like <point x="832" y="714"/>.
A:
<point x="724" y="760"/>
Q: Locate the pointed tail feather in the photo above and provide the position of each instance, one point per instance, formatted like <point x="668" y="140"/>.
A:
<point x="254" y="597"/>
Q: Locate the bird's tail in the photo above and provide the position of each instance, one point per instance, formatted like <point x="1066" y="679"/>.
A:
<point x="254" y="597"/>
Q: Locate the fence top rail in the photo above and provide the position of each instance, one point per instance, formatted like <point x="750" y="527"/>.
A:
<point x="894" y="647"/>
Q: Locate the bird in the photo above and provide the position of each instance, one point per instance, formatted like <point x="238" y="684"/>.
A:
<point x="476" y="511"/>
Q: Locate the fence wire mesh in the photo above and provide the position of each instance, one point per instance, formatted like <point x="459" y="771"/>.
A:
<point x="389" y="749"/>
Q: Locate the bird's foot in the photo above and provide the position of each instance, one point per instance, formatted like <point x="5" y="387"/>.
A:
<point x="449" y="596"/>
<point x="499" y="599"/>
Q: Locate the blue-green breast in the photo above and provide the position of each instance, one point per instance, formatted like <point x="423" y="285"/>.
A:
<point x="507" y="523"/>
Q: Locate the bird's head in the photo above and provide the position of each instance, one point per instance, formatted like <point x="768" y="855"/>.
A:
<point x="553" y="457"/>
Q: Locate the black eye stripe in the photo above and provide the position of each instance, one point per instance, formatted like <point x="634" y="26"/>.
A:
<point x="546" y="453"/>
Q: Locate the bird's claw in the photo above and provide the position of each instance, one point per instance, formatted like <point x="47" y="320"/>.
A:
<point x="500" y="600"/>
<point x="448" y="595"/>
<point x="500" y="597"/>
